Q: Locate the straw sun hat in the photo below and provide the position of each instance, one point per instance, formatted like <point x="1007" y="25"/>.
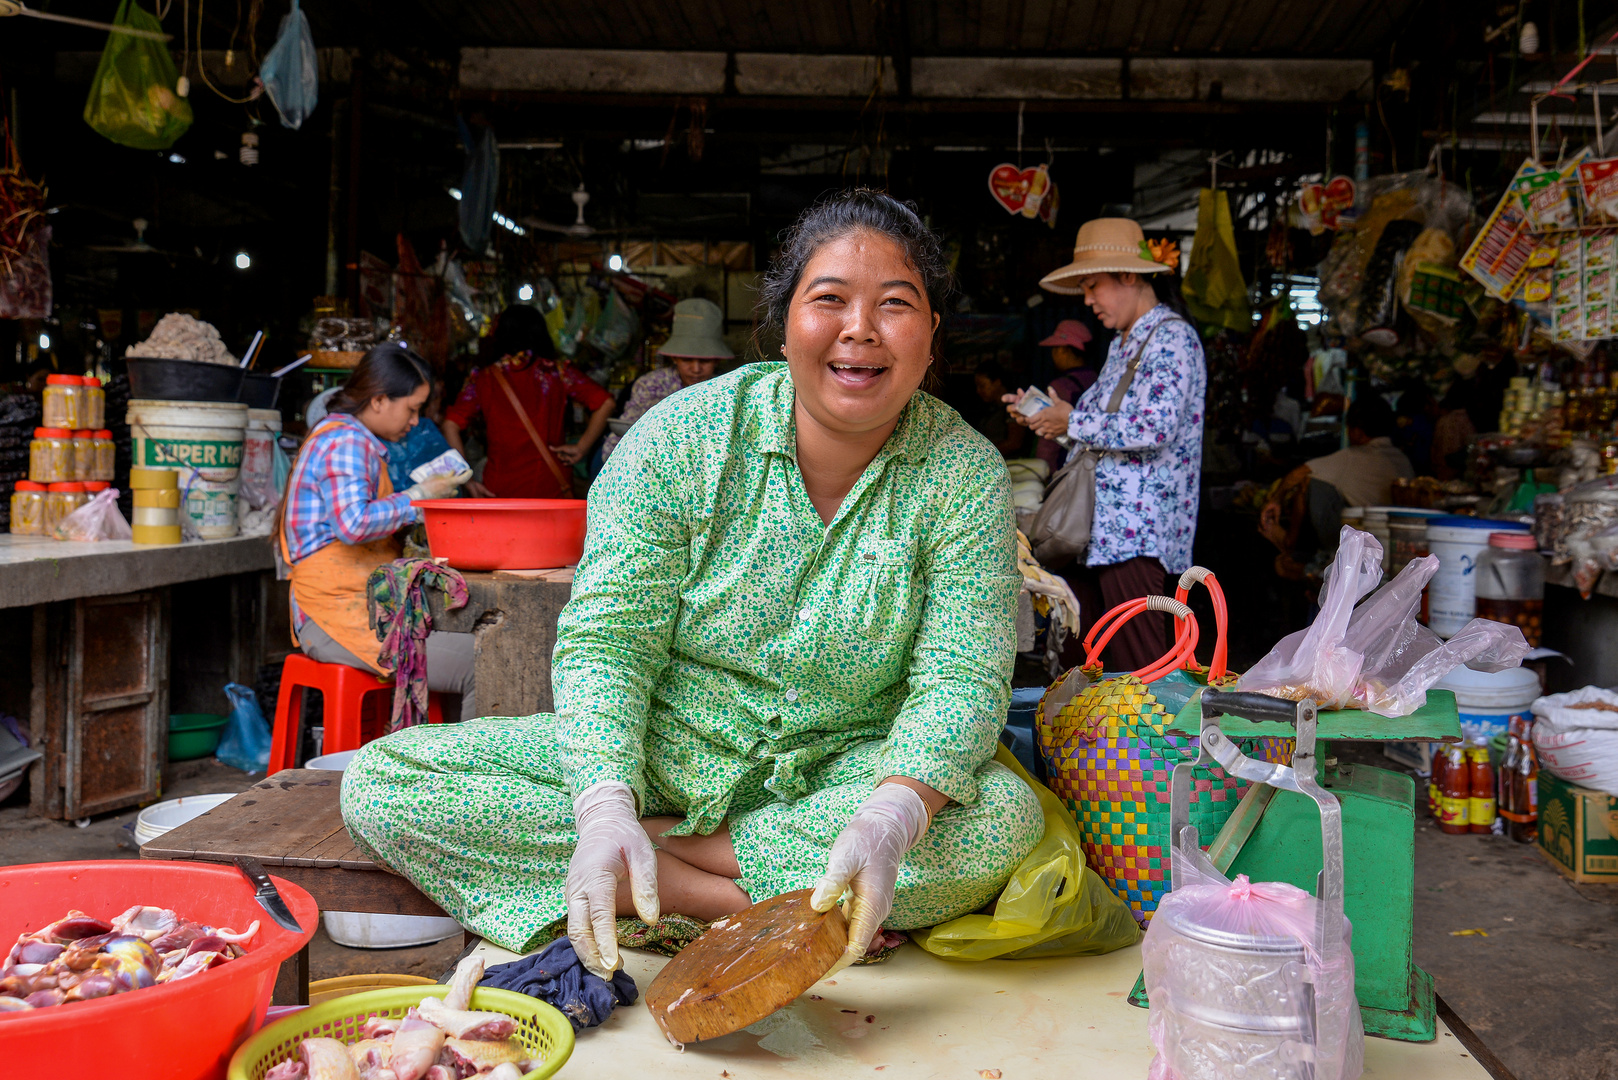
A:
<point x="1104" y="246"/>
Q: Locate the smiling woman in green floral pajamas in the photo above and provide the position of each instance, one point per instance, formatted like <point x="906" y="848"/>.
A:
<point x="737" y="661"/>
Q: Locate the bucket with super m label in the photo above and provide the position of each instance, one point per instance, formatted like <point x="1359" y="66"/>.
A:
<point x="204" y="441"/>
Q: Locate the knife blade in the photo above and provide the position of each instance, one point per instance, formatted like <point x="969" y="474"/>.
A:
<point x="267" y="895"/>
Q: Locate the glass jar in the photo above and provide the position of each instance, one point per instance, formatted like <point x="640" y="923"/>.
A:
<point x="63" y="396"/>
<point x="1511" y="583"/>
<point x="28" y="509"/>
<point x="60" y="501"/>
<point x="95" y="403"/>
<point x="84" y="455"/>
<point x="50" y="455"/>
<point x="106" y="456"/>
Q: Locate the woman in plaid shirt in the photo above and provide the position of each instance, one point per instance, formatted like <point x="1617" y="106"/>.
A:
<point x="340" y="515"/>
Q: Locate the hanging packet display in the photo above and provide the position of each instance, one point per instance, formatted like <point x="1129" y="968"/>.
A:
<point x="1545" y="200"/>
<point x="1599" y="180"/>
<point x="289" y="73"/>
<point x="132" y="97"/>
<point x="1499" y="255"/>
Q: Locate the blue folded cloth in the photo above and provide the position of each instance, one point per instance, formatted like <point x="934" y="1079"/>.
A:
<point x="554" y="974"/>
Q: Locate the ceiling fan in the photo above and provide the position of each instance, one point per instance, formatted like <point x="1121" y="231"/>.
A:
<point x="137" y="246"/>
<point x="17" y="7"/>
<point x="579" y="227"/>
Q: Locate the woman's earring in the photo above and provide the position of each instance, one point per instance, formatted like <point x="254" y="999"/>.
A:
<point x="783" y="350"/>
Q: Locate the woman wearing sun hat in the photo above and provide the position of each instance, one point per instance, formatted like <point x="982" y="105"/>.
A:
<point x="1151" y="439"/>
<point x="696" y="346"/>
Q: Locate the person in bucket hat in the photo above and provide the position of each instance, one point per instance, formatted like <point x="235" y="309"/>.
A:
<point x="1146" y="484"/>
<point x="1073" y="378"/>
<point x="696" y="346"/>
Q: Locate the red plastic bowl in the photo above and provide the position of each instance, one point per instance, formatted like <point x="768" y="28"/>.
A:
<point x="505" y="534"/>
<point x="178" y="1031"/>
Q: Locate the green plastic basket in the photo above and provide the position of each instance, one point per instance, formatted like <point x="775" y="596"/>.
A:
<point x="194" y="735"/>
<point x="542" y="1029"/>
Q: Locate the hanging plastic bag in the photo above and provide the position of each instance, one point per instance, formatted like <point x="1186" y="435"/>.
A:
<point x="616" y="329"/>
<point x="480" y="182"/>
<point x="246" y="742"/>
<point x="1214" y="289"/>
<point x="1054" y="905"/>
<point x="132" y="97"/>
<point x="97" y="519"/>
<point x="289" y="73"/>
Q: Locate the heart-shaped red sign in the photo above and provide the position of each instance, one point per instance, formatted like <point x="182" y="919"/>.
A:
<point x="1010" y="186"/>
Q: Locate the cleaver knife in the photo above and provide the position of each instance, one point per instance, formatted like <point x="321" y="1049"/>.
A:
<point x="267" y="895"/>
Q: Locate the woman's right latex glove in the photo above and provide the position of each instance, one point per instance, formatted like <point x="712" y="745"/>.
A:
<point x="434" y="487"/>
<point x="612" y="846"/>
<point x="865" y="859"/>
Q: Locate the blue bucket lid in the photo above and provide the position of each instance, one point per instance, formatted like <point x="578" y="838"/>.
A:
<point x="1477" y="523"/>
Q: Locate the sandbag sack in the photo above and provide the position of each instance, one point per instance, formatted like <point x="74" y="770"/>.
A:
<point x="1576" y="735"/>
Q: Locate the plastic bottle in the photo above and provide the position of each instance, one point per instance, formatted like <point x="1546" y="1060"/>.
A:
<point x="1480" y="807"/>
<point x="50" y="455"/>
<point x="1457" y="790"/>
<point x="95" y="403"/>
<point x="1435" y="781"/>
<point x="1511" y="583"/>
<point x="84" y="455"/>
<point x="28" y="509"/>
<point x="62" y="397"/>
<point x="106" y="455"/>
<point x="1524" y="824"/>
<point x="60" y="501"/>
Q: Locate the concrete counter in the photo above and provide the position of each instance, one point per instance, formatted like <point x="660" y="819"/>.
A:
<point x="39" y="570"/>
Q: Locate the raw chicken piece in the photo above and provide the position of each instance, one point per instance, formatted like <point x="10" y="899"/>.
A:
<point x="467" y="975"/>
<point x="327" y="1059"/>
<point x="181" y="936"/>
<point x="231" y="936"/>
<point x="504" y="1071"/>
<point x="460" y="1024"/>
<point x="150" y="923"/>
<point x="195" y="964"/>
<point x="378" y="1027"/>
<point x="371" y="1059"/>
<point x="11" y="1004"/>
<point x="42" y="999"/>
<point x="294" y="1069"/>
<point x="474" y="1055"/>
<point x="415" y="1047"/>
<point x="75" y="926"/>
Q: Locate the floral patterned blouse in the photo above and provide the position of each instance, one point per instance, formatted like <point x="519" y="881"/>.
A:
<point x="721" y="637"/>
<point x="1147" y="481"/>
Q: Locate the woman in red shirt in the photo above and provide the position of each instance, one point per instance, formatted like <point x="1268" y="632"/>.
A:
<point x="528" y="369"/>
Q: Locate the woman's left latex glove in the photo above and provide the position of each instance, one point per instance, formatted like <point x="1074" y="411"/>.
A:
<point x="866" y="859"/>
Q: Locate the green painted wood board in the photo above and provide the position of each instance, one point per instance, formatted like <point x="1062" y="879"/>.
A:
<point x="1438" y="720"/>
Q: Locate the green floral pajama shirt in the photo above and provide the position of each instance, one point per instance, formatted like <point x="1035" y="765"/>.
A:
<point x="729" y="656"/>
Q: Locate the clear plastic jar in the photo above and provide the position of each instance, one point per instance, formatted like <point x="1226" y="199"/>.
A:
<point x="84" y="455"/>
<point x="95" y="403"/>
<point x="1511" y="583"/>
<point x="106" y="465"/>
<point x="50" y="455"/>
<point x="28" y="509"/>
<point x="63" y="394"/>
<point x="60" y="501"/>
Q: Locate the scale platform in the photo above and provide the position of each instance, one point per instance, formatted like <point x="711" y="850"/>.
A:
<point x="1274" y="835"/>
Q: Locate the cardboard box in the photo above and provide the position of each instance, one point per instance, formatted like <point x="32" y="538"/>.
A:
<point x="1578" y="830"/>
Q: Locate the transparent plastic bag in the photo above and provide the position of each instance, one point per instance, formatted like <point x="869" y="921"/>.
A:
<point x="97" y="519"/>
<point x="1185" y="978"/>
<point x="1040" y="913"/>
<point x="246" y="742"/>
<point x="133" y="99"/>
<point x="1381" y="659"/>
<point x="290" y="71"/>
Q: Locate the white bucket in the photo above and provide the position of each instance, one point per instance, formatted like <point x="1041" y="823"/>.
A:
<point x="1488" y="700"/>
<point x="258" y="447"/>
<point x="204" y="440"/>
<point x="365" y="930"/>
<point x="159" y="818"/>
<point x="1452" y="592"/>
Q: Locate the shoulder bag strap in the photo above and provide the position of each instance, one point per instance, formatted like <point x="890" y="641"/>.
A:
<point x="1124" y="383"/>
<point x="528" y="425"/>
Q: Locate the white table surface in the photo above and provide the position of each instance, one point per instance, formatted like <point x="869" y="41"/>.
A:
<point x="933" y="1018"/>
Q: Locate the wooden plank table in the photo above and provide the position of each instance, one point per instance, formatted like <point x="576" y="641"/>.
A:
<point x="292" y="823"/>
<point x="512" y="617"/>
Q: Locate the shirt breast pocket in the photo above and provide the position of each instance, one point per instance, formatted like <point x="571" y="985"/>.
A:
<point x="888" y="593"/>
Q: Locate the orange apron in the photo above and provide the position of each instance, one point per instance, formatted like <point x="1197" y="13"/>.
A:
<point x="329" y="585"/>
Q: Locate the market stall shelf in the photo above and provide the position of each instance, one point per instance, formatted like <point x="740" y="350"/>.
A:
<point x="292" y="823"/>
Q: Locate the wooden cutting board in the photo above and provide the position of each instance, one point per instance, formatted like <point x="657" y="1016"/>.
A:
<point x="746" y="967"/>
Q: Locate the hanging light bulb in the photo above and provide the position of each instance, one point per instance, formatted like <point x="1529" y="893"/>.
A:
<point x="525" y="293"/>
<point x="249" y="150"/>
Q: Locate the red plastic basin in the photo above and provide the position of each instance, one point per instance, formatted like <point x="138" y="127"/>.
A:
<point x="186" y="1030"/>
<point x="504" y="534"/>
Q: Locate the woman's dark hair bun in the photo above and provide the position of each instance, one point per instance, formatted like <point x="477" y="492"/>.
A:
<point x="390" y="369"/>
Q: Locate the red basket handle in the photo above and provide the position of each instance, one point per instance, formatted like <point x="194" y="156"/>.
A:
<point x="1186" y="632"/>
<point x="1216" y="667"/>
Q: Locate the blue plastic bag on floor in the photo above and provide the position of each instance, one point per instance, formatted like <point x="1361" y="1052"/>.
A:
<point x="246" y="743"/>
<point x="289" y="71"/>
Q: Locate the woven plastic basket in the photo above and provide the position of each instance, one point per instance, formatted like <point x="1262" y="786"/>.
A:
<point x="544" y="1031"/>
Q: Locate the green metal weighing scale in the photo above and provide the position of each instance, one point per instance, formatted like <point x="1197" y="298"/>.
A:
<point x="1274" y="835"/>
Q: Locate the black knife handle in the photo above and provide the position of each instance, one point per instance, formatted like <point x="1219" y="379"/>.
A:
<point x="254" y="871"/>
<point x="1250" y="706"/>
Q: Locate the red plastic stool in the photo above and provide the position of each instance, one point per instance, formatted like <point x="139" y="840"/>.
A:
<point x="342" y="692"/>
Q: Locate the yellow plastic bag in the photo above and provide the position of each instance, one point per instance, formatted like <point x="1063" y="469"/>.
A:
<point x="1054" y="905"/>
<point x="1214" y="290"/>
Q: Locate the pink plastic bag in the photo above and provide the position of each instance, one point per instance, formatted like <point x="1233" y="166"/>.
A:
<point x="1200" y="992"/>
<point x="1376" y="656"/>
<point x="97" y="519"/>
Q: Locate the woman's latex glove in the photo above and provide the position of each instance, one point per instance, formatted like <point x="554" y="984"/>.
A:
<point x="612" y="846"/>
<point x="434" y="487"/>
<point x="866" y="859"/>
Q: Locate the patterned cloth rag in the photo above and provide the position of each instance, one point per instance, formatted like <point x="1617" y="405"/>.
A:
<point x="555" y="975"/>
<point x="397" y="602"/>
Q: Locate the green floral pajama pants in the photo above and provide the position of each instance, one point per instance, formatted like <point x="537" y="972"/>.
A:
<point x="479" y="817"/>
